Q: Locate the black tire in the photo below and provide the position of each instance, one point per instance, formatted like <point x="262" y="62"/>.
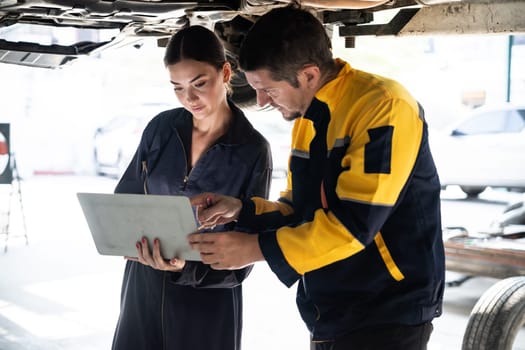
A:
<point x="231" y="34"/>
<point x="243" y="95"/>
<point x="497" y="317"/>
<point x="472" y="191"/>
<point x="513" y="214"/>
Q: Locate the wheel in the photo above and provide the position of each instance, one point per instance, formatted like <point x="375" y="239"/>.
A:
<point x="514" y="214"/>
<point x="243" y="94"/>
<point x="232" y="33"/>
<point x="472" y="191"/>
<point x="497" y="317"/>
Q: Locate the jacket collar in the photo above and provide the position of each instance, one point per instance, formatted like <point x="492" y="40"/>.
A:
<point x="239" y="132"/>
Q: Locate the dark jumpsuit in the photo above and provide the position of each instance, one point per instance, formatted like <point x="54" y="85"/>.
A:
<point x="197" y="308"/>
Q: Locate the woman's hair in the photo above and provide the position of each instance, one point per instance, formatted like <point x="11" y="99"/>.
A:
<point x="195" y="43"/>
<point x="283" y="41"/>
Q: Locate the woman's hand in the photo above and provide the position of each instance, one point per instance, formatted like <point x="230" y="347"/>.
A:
<point x="156" y="260"/>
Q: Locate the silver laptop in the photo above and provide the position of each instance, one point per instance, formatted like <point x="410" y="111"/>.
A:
<point x="118" y="221"/>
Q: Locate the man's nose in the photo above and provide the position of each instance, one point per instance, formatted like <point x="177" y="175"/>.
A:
<point x="263" y="99"/>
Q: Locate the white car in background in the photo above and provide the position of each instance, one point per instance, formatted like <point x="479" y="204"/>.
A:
<point x="486" y="149"/>
<point x="115" y="142"/>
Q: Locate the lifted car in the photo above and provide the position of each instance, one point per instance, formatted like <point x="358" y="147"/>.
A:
<point x="127" y="21"/>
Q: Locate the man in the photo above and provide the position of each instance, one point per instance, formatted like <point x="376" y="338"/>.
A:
<point x="359" y="225"/>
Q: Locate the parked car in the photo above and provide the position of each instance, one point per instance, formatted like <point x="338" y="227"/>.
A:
<point x="115" y="142"/>
<point x="486" y="149"/>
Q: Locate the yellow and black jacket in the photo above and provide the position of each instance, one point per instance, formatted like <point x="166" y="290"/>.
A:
<point x="359" y="225"/>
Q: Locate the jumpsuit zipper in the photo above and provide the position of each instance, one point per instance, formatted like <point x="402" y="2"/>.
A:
<point x="188" y="174"/>
<point x="162" y="326"/>
<point x="145" y="176"/>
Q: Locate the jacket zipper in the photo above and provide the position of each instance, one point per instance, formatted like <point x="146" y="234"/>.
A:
<point x="145" y="176"/>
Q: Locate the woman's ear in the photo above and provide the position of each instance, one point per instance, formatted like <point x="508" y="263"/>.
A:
<point x="227" y="72"/>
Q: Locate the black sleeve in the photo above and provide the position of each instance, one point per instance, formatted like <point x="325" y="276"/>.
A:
<point x="258" y="184"/>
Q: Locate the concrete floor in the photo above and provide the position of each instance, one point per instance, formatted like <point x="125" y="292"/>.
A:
<point x="57" y="293"/>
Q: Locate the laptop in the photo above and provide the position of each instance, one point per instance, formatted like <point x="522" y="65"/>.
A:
<point x="118" y="221"/>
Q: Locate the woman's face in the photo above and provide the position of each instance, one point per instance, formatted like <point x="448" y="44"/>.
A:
<point x="199" y="86"/>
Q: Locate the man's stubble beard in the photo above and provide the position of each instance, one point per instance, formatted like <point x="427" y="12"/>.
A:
<point x="292" y="116"/>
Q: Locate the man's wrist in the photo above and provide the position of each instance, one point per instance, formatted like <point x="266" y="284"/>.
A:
<point x="245" y="215"/>
<point x="238" y="209"/>
<point x="256" y="254"/>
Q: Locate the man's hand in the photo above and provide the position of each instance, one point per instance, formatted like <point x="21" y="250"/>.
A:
<point x="227" y="250"/>
<point x="156" y="260"/>
<point x="215" y="209"/>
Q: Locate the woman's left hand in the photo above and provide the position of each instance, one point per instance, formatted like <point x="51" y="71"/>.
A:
<point x="156" y="260"/>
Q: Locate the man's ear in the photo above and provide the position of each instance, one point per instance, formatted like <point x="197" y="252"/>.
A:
<point x="227" y="72"/>
<point x="312" y="75"/>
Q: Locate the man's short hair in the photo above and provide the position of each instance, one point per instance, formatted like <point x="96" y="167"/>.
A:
<point x="283" y="41"/>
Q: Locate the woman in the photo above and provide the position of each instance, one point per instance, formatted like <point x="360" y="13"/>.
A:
<point x="208" y="145"/>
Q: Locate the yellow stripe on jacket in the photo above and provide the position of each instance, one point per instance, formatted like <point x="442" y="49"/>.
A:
<point x="366" y="104"/>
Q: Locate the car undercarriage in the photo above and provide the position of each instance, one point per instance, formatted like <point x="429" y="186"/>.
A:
<point x="129" y="21"/>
